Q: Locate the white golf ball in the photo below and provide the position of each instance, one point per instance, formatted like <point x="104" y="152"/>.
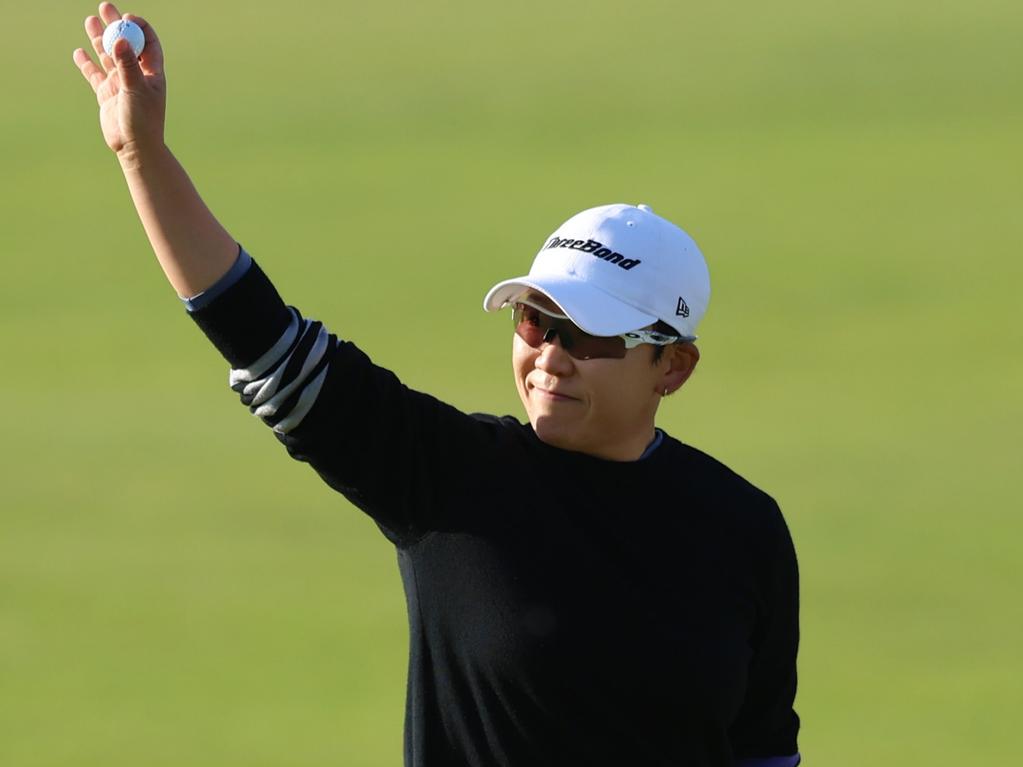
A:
<point x="129" y="30"/>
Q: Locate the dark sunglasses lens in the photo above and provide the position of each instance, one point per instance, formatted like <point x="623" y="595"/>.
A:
<point x="588" y="347"/>
<point x="533" y="327"/>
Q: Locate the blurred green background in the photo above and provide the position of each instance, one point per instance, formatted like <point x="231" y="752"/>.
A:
<point x="174" y="590"/>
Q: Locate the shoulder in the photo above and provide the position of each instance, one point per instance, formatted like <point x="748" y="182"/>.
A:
<point x="506" y="433"/>
<point x="706" y="473"/>
<point x="497" y="421"/>
<point x="505" y="426"/>
<point x="712" y="484"/>
<point x="746" y="521"/>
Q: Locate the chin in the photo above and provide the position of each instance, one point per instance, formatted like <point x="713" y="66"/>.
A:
<point x="555" y="432"/>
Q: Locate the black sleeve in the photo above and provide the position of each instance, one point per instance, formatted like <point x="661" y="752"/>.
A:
<point x="401" y="456"/>
<point x="767" y="725"/>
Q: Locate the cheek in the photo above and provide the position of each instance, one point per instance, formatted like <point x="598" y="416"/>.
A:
<point x="523" y="358"/>
<point x="621" y="393"/>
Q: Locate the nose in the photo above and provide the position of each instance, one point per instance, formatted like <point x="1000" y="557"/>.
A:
<point x="553" y="359"/>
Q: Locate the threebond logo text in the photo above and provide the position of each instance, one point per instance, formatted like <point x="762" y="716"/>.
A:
<point x="596" y="248"/>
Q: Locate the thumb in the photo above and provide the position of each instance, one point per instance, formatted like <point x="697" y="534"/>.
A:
<point x="128" y="65"/>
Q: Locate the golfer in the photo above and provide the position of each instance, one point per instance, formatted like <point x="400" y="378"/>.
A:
<point x="582" y="588"/>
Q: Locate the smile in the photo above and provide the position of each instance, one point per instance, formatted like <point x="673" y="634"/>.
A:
<point x="551" y="395"/>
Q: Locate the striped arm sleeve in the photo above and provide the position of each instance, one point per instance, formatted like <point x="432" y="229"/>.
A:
<point x="278" y="359"/>
<point x="382" y="445"/>
<point x="281" y="386"/>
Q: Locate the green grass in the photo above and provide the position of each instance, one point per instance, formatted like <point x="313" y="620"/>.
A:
<point x="173" y="590"/>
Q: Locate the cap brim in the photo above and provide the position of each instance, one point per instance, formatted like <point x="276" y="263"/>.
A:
<point x="589" y="307"/>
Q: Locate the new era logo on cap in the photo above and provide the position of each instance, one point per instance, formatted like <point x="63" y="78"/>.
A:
<point x="575" y="268"/>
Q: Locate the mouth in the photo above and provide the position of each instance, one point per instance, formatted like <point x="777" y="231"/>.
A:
<point x="550" y="395"/>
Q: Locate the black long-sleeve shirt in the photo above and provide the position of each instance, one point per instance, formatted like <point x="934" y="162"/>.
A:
<point x="563" y="609"/>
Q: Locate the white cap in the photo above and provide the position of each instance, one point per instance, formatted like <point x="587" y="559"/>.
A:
<point x="615" y="269"/>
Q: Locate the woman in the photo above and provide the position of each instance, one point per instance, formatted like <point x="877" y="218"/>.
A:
<point x="582" y="589"/>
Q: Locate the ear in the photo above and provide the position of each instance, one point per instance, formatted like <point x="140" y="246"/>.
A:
<point x="680" y="362"/>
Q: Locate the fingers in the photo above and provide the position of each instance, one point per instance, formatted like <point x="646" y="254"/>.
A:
<point x="109" y="13"/>
<point x="152" y="55"/>
<point x="94" y="29"/>
<point x="92" y="73"/>
<point x="131" y="69"/>
<point x="128" y="66"/>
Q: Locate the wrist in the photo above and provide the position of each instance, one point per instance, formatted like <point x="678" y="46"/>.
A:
<point x="135" y="155"/>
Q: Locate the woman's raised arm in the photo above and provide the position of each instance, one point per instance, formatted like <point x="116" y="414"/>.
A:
<point x="191" y="245"/>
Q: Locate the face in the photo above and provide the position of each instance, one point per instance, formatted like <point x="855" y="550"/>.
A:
<point x="602" y="407"/>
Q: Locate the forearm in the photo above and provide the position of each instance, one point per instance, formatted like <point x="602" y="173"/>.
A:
<point x="192" y="247"/>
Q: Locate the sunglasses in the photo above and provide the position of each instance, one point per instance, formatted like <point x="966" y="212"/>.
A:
<point x="537" y="326"/>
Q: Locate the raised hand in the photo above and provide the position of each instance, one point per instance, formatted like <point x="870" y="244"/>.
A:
<point x="132" y="92"/>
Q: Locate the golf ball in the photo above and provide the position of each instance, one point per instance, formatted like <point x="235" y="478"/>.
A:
<point x="129" y="30"/>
